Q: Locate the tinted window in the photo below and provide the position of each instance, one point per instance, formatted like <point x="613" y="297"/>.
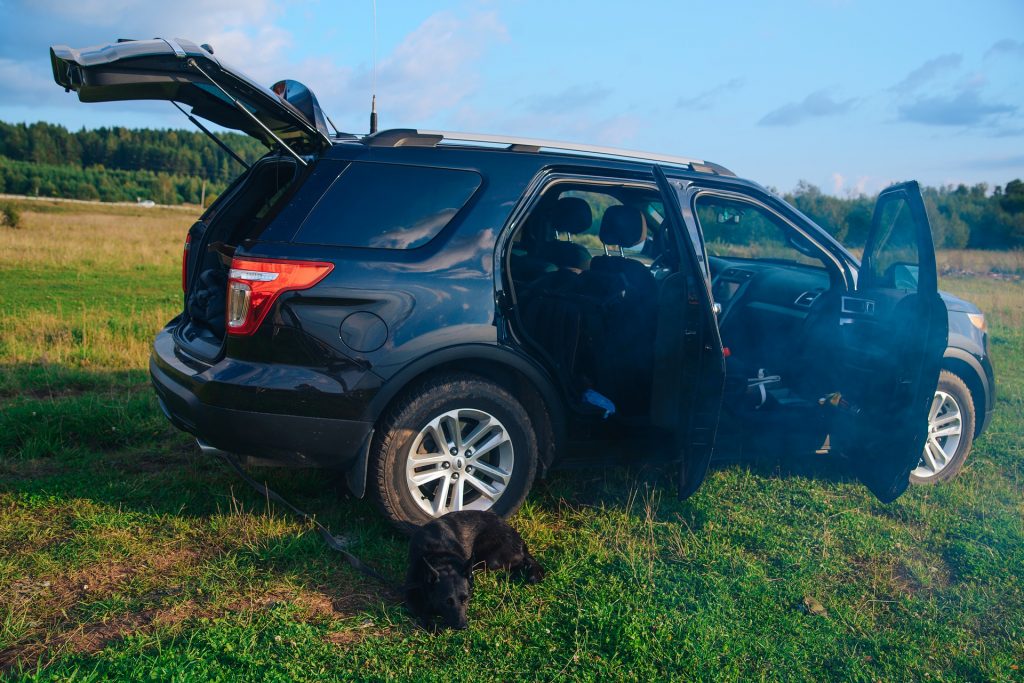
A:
<point x="387" y="206"/>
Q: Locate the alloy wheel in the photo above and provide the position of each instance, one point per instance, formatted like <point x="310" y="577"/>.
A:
<point x="460" y="460"/>
<point x="945" y="430"/>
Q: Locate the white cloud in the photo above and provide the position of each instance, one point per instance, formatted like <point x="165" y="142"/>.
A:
<point x="433" y="68"/>
<point x="429" y="74"/>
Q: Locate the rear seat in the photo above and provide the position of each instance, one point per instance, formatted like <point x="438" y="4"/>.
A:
<point x="598" y="326"/>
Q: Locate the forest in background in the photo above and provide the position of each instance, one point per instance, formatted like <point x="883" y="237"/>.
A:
<point x="118" y="164"/>
<point x="170" y="166"/>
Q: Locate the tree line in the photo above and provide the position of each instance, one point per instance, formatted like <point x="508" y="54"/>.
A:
<point x="175" y="152"/>
<point x="118" y="164"/>
<point x="169" y="167"/>
<point x="961" y="216"/>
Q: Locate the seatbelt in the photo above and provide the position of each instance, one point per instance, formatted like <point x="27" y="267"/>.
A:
<point x="332" y="541"/>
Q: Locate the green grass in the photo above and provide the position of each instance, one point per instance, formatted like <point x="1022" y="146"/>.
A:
<point x="127" y="555"/>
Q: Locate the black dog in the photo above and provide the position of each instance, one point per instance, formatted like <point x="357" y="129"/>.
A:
<point x="443" y="554"/>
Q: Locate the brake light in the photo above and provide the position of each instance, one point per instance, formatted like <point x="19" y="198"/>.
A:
<point x="184" y="262"/>
<point x="255" y="284"/>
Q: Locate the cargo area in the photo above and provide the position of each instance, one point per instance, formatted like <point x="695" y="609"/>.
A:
<point x="240" y="214"/>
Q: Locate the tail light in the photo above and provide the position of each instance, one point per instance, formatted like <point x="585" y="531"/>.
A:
<point x="184" y="262"/>
<point x="255" y="284"/>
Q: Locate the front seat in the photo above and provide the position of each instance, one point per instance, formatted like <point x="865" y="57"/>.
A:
<point x="572" y="216"/>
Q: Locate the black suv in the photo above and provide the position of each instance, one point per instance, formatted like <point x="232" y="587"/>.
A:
<point x="444" y="315"/>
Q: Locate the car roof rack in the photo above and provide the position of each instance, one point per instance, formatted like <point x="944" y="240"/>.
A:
<point x="411" y="137"/>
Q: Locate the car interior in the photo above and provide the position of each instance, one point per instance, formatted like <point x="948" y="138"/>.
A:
<point x="591" y="268"/>
<point x="777" y="295"/>
<point x="585" y="268"/>
<point x="239" y="214"/>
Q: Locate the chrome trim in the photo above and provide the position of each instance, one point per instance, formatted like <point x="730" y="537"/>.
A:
<point x="807" y="298"/>
<point x="252" y="275"/>
<point x="173" y="44"/>
<point x="855" y="306"/>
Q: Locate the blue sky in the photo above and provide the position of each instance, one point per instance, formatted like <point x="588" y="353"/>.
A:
<point x="847" y="94"/>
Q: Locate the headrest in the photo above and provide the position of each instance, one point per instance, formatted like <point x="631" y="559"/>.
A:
<point x="623" y="226"/>
<point x="571" y="215"/>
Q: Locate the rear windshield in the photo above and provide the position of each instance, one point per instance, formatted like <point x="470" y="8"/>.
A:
<point x="387" y="206"/>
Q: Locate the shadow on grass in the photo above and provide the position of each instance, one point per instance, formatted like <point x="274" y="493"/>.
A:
<point x="101" y="436"/>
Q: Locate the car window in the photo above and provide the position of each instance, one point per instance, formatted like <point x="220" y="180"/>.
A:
<point x="387" y="206"/>
<point x="735" y="228"/>
<point x="894" y="261"/>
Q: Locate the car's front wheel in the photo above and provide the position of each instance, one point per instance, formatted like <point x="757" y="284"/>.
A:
<point x="950" y="432"/>
<point x="457" y="442"/>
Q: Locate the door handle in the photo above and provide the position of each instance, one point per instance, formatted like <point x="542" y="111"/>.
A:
<point x="858" y="306"/>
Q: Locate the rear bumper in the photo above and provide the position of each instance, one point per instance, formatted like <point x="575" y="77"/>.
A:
<point x="188" y="393"/>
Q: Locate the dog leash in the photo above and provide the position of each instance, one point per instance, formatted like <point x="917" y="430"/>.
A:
<point x="332" y="541"/>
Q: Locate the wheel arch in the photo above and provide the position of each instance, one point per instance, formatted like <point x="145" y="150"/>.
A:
<point x="966" y="367"/>
<point x="530" y="385"/>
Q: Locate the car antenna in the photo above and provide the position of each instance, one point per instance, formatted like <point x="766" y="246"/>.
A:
<point x="373" y="88"/>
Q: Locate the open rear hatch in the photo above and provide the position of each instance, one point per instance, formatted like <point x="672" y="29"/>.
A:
<point x="285" y="117"/>
<point x="180" y="71"/>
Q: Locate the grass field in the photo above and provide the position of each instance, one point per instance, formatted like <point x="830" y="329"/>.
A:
<point x="127" y="555"/>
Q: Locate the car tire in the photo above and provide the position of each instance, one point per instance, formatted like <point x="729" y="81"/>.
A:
<point x="414" y="477"/>
<point x="952" y="409"/>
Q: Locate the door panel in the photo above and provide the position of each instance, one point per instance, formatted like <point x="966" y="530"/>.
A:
<point x="699" y="376"/>
<point x="892" y="334"/>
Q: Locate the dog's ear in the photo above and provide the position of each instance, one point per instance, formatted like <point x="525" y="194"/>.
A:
<point x="434" y="576"/>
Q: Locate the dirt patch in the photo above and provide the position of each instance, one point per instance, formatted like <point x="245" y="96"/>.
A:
<point x="356" y="634"/>
<point x="53" y="603"/>
<point x="918" y="571"/>
<point x="32" y="468"/>
<point x="313" y="605"/>
<point x="149" y="462"/>
<point x="318" y="604"/>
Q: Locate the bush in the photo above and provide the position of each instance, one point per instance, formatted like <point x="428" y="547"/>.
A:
<point x="9" y="215"/>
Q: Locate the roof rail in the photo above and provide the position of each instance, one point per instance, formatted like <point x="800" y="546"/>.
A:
<point x="411" y="137"/>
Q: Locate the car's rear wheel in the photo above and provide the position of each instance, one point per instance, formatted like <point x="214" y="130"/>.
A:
<point x="950" y="432"/>
<point x="457" y="442"/>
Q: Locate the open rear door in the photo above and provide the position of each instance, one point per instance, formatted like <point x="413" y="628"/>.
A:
<point x="689" y="365"/>
<point x="893" y="333"/>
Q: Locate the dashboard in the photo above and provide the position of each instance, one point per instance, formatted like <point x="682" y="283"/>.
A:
<point x="764" y="305"/>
